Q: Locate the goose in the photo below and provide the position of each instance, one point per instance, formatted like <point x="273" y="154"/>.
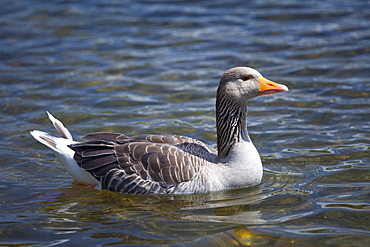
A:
<point x="171" y="164"/>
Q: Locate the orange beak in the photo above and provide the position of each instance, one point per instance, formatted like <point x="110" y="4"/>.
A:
<point x="269" y="87"/>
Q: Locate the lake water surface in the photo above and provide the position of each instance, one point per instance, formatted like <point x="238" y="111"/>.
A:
<point x="153" y="67"/>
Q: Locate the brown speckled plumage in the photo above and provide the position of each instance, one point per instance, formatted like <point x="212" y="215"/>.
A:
<point x="142" y="164"/>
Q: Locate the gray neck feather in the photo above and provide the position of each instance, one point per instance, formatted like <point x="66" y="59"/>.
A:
<point x="231" y="124"/>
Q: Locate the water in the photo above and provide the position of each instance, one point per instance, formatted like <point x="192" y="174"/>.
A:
<point x="153" y="67"/>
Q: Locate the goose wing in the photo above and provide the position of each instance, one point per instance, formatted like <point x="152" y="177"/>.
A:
<point x="142" y="164"/>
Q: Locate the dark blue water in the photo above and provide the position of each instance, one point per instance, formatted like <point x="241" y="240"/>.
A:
<point x="153" y="67"/>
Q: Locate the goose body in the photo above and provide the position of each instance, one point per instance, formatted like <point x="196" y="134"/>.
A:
<point x="161" y="164"/>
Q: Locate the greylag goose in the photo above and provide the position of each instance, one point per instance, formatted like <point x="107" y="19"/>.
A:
<point x="164" y="164"/>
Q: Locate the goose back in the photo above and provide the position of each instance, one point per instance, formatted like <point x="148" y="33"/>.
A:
<point x="143" y="164"/>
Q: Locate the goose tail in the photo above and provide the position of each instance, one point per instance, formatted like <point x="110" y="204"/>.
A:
<point x="60" y="148"/>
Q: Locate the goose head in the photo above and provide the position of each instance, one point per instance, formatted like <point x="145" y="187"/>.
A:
<point x="240" y="84"/>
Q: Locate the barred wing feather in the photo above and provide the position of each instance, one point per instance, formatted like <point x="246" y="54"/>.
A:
<point x="141" y="164"/>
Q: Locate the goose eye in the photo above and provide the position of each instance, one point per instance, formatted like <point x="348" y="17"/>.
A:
<point x="246" y="78"/>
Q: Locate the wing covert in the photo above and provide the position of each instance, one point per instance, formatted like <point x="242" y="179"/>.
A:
<point x="144" y="163"/>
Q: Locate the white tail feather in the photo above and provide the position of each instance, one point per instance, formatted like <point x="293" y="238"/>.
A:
<point x="63" y="131"/>
<point x="60" y="148"/>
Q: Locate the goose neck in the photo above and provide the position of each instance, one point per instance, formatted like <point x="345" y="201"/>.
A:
<point x="231" y="125"/>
